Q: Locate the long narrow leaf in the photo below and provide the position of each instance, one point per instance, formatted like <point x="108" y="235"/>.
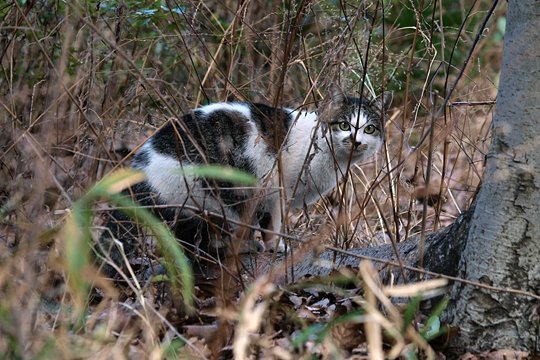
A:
<point x="219" y="172"/>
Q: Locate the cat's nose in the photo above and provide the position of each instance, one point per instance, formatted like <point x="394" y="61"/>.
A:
<point x="359" y="146"/>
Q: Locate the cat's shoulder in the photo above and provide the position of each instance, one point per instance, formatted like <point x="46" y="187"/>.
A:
<point x="261" y="115"/>
<point x="251" y="111"/>
<point x="224" y="108"/>
<point x="237" y="119"/>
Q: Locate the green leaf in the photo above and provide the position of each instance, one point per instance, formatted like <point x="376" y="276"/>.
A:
<point x="432" y="328"/>
<point x="410" y="354"/>
<point x="176" y="262"/>
<point x="219" y="172"/>
<point x="410" y="311"/>
<point x="311" y="332"/>
<point x="118" y="181"/>
<point x="77" y="239"/>
<point x="173" y="350"/>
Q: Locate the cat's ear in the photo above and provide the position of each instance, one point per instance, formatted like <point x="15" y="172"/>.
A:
<point x="336" y="95"/>
<point x="383" y="101"/>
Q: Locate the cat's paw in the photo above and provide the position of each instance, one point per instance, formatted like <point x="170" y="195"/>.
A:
<point x="276" y="245"/>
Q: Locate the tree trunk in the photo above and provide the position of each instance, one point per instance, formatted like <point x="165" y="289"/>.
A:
<point x="503" y="245"/>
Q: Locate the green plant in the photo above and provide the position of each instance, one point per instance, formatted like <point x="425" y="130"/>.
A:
<point x="77" y="237"/>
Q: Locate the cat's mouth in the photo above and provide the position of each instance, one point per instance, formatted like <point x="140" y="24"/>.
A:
<point x="361" y="148"/>
<point x="358" y="152"/>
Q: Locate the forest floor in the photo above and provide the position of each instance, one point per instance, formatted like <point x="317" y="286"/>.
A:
<point x="82" y="95"/>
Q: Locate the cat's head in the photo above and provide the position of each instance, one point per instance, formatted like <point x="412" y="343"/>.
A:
<point x="354" y="125"/>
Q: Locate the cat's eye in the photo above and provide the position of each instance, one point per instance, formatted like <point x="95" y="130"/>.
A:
<point x="370" y="129"/>
<point x="344" y="126"/>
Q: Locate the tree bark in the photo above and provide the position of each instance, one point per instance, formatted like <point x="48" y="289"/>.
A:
<point x="503" y="245"/>
<point x="442" y="250"/>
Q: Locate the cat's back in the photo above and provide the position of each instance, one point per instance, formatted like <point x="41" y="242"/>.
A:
<point x="237" y="134"/>
<point x="241" y="119"/>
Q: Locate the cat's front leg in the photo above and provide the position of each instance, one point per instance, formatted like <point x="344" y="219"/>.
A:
<point x="272" y="222"/>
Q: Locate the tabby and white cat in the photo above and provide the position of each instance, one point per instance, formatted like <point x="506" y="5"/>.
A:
<point x="316" y="148"/>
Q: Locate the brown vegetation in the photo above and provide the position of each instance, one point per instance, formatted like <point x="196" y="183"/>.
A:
<point x="82" y="85"/>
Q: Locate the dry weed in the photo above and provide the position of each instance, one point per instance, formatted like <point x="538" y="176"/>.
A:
<point x="85" y="83"/>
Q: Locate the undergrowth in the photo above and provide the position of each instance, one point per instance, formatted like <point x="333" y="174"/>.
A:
<point x="83" y="84"/>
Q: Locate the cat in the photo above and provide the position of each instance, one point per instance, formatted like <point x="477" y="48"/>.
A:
<point x="316" y="149"/>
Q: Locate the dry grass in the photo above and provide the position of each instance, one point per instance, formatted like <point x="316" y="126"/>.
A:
<point x="84" y="84"/>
